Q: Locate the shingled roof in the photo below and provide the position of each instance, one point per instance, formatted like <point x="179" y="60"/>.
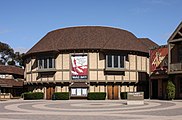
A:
<point x="11" y="70"/>
<point x="10" y="82"/>
<point x="148" y="43"/>
<point x="90" y="37"/>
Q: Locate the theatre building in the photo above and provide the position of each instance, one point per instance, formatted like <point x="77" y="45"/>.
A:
<point x="87" y="59"/>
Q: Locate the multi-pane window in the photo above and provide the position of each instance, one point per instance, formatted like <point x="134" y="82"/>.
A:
<point x="115" y="61"/>
<point x="46" y="63"/>
<point x="78" y="91"/>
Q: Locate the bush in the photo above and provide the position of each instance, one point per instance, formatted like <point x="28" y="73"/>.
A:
<point x="22" y="95"/>
<point x="60" y="96"/>
<point x="170" y="90"/>
<point x="96" y="96"/>
<point x="123" y="95"/>
<point x="33" y="95"/>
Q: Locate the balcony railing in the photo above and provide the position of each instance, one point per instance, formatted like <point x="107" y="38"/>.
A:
<point x="176" y="67"/>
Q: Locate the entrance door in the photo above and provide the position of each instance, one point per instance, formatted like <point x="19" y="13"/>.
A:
<point x="155" y="89"/>
<point x="112" y="92"/>
<point x="49" y="92"/>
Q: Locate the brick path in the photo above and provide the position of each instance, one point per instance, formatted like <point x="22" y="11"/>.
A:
<point x="89" y="110"/>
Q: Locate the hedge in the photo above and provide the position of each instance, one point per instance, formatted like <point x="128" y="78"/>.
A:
<point x="60" y="96"/>
<point x="33" y="96"/>
<point x="123" y="95"/>
<point x="96" y="96"/>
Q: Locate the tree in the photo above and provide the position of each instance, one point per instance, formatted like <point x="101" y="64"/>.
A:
<point x="6" y="52"/>
<point x="170" y="90"/>
<point x="9" y="57"/>
<point x="12" y="62"/>
<point x="19" y="58"/>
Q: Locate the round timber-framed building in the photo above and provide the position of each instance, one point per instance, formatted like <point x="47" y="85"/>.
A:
<point x="87" y="59"/>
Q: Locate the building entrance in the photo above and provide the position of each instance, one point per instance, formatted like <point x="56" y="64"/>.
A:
<point x="154" y="89"/>
<point x="112" y="92"/>
<point x="49" y="92"/>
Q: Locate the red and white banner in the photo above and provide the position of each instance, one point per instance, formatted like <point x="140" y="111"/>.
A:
<point x="79" y="67"/>
<point x="158" y="58"/>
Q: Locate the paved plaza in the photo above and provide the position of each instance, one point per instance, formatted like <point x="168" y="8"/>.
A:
<point x="89" y="110"/>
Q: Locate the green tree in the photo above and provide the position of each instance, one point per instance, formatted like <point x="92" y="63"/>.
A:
<point x="9" y="57"/>
<point x="170" y="90"/>
<point x="6" y="52"/>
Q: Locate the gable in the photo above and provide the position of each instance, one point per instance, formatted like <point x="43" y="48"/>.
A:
<point x="177" y="34"/>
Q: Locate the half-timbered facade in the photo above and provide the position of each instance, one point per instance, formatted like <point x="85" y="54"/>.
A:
<point x="86" y="59"/>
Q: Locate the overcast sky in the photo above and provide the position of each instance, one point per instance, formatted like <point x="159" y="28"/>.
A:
<point x="24" y="22"/>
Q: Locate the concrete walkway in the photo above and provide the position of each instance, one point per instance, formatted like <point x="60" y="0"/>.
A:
<point x="89" y="110"/>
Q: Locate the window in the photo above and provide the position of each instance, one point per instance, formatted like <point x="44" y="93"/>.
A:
<point x="50" y="63"/>
<point x="180" y="85"/>
<point x="180" y="53"/>
<point x="46" y="63"/>
<point x="78" y="91"/>
<point x="115" y="61"/>
<point x="2" y="76"/>
<point x="109" y="61"/>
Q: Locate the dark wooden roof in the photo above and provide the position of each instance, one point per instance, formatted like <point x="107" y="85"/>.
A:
<point x="149" y="44"/>
<point x="10" y="83"/>
<point x="79" y="85"/>
<point x="13" y="70"/>
<point x="89" y="37"/>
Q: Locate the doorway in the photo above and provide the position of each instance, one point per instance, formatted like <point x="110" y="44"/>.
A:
<point x="155" y="89"/>
<point x="49" y="92"/>
<point x="112" y="92"/>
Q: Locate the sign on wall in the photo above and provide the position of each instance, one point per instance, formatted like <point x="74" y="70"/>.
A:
<point x="158" y="58"/>
<point x="79" y="69"/>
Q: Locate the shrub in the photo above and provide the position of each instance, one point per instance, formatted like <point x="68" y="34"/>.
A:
<point x="60" y="96"/>
<point x="22" y="95"/>
<point x="123" y="95"/>
<point x="96" y="96"/>
<point x="33" y="95"/>
<point x="170" y="90"/>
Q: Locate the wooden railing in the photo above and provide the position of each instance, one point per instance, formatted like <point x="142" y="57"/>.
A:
<point x="176" y="67"/>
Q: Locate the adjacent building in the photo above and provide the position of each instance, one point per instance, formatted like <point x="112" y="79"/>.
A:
<point x="86" y="59"/>
<point x="175" y="59"/>
<point x="166" y="64"/>
<point x="11" y="81"/>
<point x="158" y="72"/>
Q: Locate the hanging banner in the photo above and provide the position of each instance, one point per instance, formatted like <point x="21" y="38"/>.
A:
<point x="159" y="58"/>
<point x="79" y="69"/>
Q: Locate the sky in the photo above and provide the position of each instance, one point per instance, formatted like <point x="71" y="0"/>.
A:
<point x="24" y="22"/>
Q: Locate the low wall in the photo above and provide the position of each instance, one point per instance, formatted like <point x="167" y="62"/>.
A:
<point x="5" y="96"/>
